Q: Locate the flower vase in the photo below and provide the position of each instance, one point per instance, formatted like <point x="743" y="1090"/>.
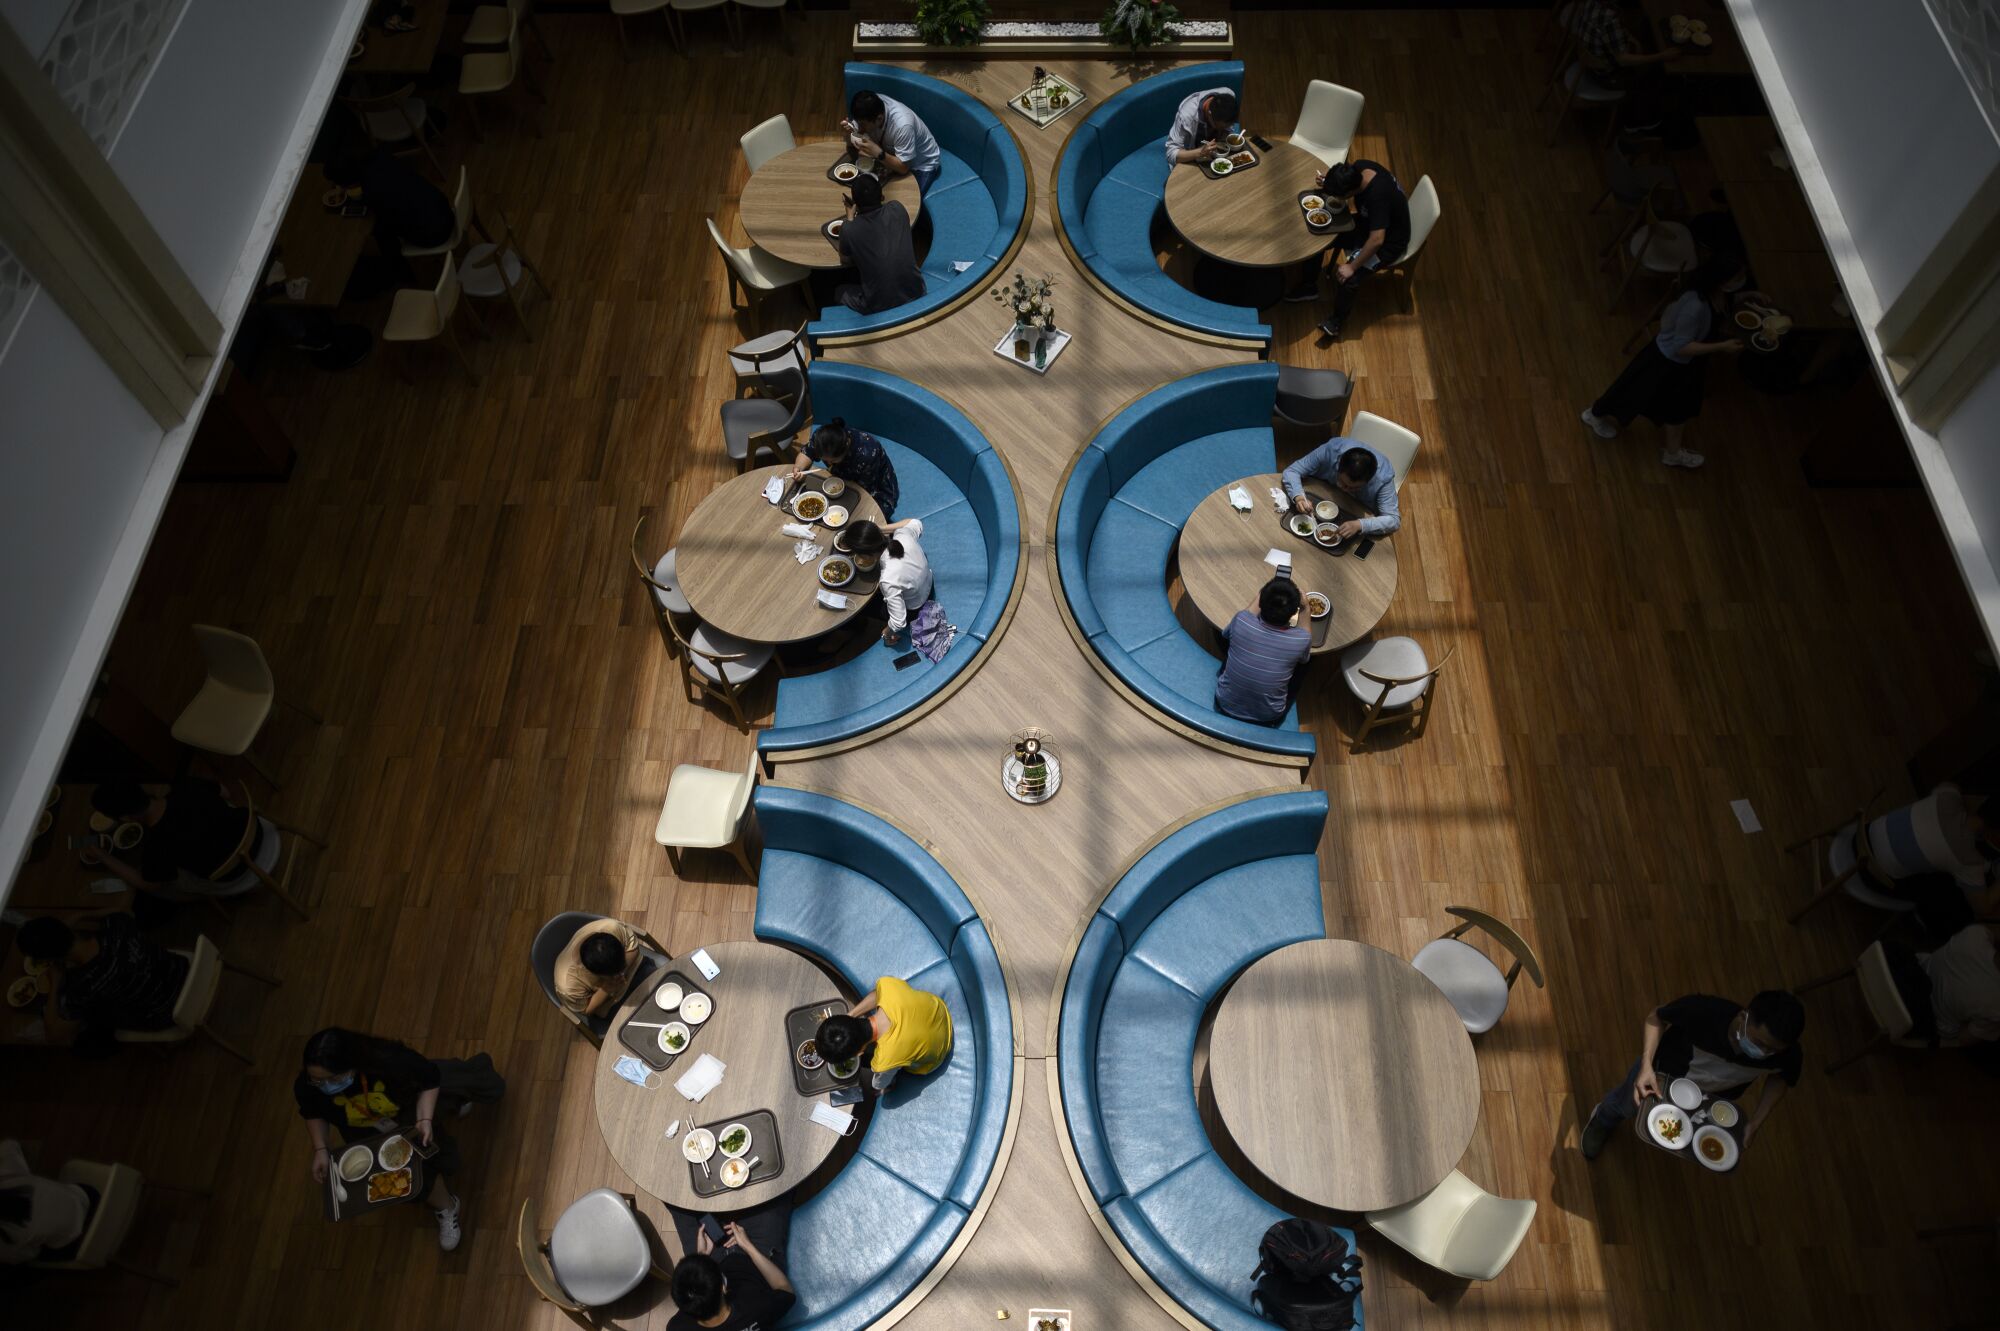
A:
<point x="1041" y="351"/>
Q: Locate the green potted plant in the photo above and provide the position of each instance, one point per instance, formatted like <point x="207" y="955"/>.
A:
<point x="1139" y="23"/>
<point x="951" y="22"/>
<point x="1034" y="311"/>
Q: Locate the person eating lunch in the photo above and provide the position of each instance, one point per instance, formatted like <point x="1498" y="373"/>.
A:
<point x="906" y="582"/>
<point x="897" y="1025"/>
<point x="855" y="456"/>
<point x="885" y="129"/>
<point x="359" y="1085"/>
<point x="875" y="243"/>
<point x="1357" y="470"/>
<point x="1199" y="124"/>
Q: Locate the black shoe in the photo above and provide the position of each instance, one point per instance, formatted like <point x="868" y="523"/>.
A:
<point x="1304" y="291"/>
<point x="1595" y="1133"/>
<point x="1330" y="330"/>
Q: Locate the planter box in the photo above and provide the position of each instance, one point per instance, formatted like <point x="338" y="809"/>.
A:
<point x="1003" y="41"/>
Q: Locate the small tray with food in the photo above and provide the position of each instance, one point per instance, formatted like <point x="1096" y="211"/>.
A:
<point x="810" y="1072"/>
<point x="666" y="1019"/>
<point x="1325" y="216"/>
<point x="1318" y="608"/>
<point x="733" y="1153"/>
<point x="373" y="1172"/>
<point x="1694" y="1127"/>
<point x="1232" y="161"/>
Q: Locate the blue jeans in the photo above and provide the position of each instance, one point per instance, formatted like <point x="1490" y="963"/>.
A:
<point x="925" y="179"/>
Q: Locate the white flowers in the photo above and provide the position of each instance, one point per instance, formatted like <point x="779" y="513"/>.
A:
<point x="1030" y="302"/>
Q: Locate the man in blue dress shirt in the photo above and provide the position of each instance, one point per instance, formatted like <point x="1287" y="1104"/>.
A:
<point x="1359" y="471"/>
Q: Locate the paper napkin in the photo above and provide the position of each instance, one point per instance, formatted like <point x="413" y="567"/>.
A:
<point x="1278" y="500"/>
<point x="960" y="265"/>
<point x="1239" y="498"/>
<point x="703" y="1077"/>
<point x="1278" y="559"/>
<point x="805" y="552"/>
<point x="774" y="489"/>
<point x="798" y="529"/>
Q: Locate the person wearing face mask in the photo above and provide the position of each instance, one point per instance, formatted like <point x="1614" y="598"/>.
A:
<point x="359" y="1085"/>
<point x="1716" y="1044"/>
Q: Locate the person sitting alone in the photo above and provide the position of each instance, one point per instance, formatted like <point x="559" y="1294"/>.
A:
<point x="738" y="1286"/>
<point x="596" y="967"/>
<point x="1266" y="652"/>
<point x="909" y="1028"/>
<point x="408" y="209"/>
<point x="1382" y="220"/>
<point x="108" y="977"/>
<point x="875" y="242"/>
<point x="1357" y="470"/>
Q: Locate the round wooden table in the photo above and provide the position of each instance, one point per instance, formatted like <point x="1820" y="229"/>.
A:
<point x="790" y="197"/>
<point x="758" y="985"/>
<point x="1344" y="1075"/>
<point x="1250" y="218"/>
<point x="737" y="570"/>
<point x="1222" y="562"/>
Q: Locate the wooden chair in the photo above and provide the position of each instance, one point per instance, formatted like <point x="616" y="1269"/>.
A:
<point x="271" y="867"/>
<point x="1468" y="977"/>
<point x="496" y="267"/>
<point x="119" y="1188"/>
<point x="755" y="361"/>
<point x="488" y="74"/>
<point x="1660" y="248"/>
<point x="663" y="589"/>
<point x="765" y="424"/>
<point x="722" y="665"/>
<point x="606" y="1227"/>
<point x="755" y="272"/>
<point x="228" y="712"/>
<point x="197" y="1000"/>
<point x="1849" y="857"/>
<point x="461" y="218"/>
<point x="1579" y="90"/>
<point x="550" y="940"/>
<point x="389" y="122"/>
<point x="1894" y="1023"/>
<point x="1396" y="682"/>
<point x="420" y="315"/>
<point x="541" y="1272"/>
<point x="706" y="810"/>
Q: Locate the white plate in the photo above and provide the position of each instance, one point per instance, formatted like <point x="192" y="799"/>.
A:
<point x="674" y="1028"/>
<point x="355" y="1162"/>
<point x="1661" y="1113"/>
<point x="1685" y="1093"/>
<point x="695" y="1008"/>
<point x="1731" y="1152"/>
<point x="698" y="1145"/>
<point x="734" y="1173"/>
<point x="740" y="1151"/>
<point x="395" y="1152"/>
<point x="668" y="996"/>
<point x="836" y="516"/>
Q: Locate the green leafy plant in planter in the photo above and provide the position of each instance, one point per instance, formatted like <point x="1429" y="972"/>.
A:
<point x="951" y="22"/>
<point x="1139" y="23"/>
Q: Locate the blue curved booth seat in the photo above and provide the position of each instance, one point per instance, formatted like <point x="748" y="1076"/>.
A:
<point x="977" y="206"/>
<point x="1191" y="915"/>
<point x="844" y="885"/>
<point x="950" y="477"/>
<point x="1112" y="180"/>
<point x="1128" y="495"/>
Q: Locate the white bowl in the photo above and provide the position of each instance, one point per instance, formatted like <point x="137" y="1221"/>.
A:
<point x="853" y="1066"/>
<point x="833" y="487"/>
<point x="1663" y="1113"/>
<point x="355" y="1162"/>
<point x="723" y="1136"/>
<point x="1327" y="511"/>
<point x="1724" y="1113"/>
<point x="698" y="1145"/>
<point x="674" y="1028"/>
<point x="668" y="996"/>
<point x="1730" y="1152"/>
<point x="1685" y="1093"/>
<point x="734" y="1173"/>
<point x="395" y="1152"/>
<point x="695" y="1008"/>
<point x="835" y="516"/>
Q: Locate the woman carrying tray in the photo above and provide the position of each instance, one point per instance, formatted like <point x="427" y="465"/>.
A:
<point x="360" y="1085"/>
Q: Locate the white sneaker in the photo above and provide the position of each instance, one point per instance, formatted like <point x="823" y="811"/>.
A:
<point x="449" y="1232"/>
<point x="1680" y="457"/>
<point x="1600" y="427"/>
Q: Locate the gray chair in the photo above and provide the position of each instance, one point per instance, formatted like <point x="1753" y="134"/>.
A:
<point x="549" y="942"/>
<point x="598" y="1253"/>
<point x="765" y="424"/>
<point x="1313" y="398"/>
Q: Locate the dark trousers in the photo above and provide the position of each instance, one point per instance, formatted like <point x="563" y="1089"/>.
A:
<point x="769" y="1227"/>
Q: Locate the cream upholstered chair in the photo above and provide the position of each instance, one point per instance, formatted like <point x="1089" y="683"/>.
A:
<point x="719" y="664"/>
<point x="1327" y="120"/>
<point x="461" y="218"/>
<point x="1468" y="976"/>
<point x="1458" y="1227"/>
<point x="761" y="357"/>
<point x="757" y="271"/>
<point x="497" y="267"/>
<point x="767" y="140"/>
<point x="197" y="1000"/>
<point x="420" y="315"/>
<point x="397" y="120"/>
<point x="676" y="8"/>
<point x="1894" y="1022"/>
<point x="490" y="73"/>
<point x="1389" y="439"/>
<point x="225" y="716"/>
<point x="706" y="810"/>
<point x="1424" y="213"/>
<point x="1394" y="679"/>
<point x="624" y="9"/>
<point x="490" y="24"/>
<point x="663" y="588"/>
<point x="119" y="1188"/>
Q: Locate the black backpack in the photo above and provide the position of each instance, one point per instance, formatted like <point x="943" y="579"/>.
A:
<point x="1306" y="1277"/>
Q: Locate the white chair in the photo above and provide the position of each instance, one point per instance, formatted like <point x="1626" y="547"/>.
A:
<point x="1468" y="977"/>
<point x="495" y="268"/>
<point x="1582" y="91"/>
<point x="1327" y="120"/>
<point x="118" y="1190"/>
<point x="706" y="810"/>
<point x="597" y="1254"/>
<point x="770" y="354"/>
<point x="490" y="25"/>
<point x="461" y="217"/>
<point x="1394" y="679"/>
<point x="421" y="315"/>
<point x="1458" y="1227"/>
<point x="1659" y="248"/>
<point x="767" y="140"/>
<point x="676" y="8"/>
<point x="487" y="74"/>
<point x="624" y="9"/>
<point x="663" y="584"/>
<point x="758" y="272"/>
<point x="197" y="1000"/>
<point x="225" y="717"/>
<point x="1389" y="439"/>
<point x="1424" y="213"/>
<point x="269" y="866"/>
<point x="1893" y="1019"/>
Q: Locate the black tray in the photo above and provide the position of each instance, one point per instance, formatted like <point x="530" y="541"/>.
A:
<point x="647" y="1046"/>
<point x="801" y="1023"/>
<point x="357" y="1202"/>
<point x="1256" y="160"/>
<point x="764" y="1145"/>
<point x="1343" y="216"/>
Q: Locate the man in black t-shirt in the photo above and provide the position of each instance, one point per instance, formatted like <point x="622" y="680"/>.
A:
<point x="875" y="242"/>
<point x="191" y="832"/>
<point x="1719" y="1046"/>
<point x="737" y="1287"/>
<point x="1382" y="220"/>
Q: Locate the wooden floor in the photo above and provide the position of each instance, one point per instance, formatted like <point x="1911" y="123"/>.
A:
<point x="445" y="579"/>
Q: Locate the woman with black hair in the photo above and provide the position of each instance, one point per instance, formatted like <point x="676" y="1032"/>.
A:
<point x="1664" y="381"/>
<point x="360" y="1085"/>
<point x="906" y="582"/>
<point x="41" y="1219"/>
<point x="855" y="456"/>
<point x="738" y="1286"/>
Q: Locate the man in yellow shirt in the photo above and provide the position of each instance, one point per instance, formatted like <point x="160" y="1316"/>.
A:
<point x="907" y="1027"/>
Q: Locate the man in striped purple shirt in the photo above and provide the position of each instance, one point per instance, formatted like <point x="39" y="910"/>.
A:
<point x="1265" y="654"/>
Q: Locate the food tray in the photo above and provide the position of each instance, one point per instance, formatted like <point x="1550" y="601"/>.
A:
<point x="1704" y="1109"/>
<point x="357" y="1202"/>
<point x="1343" y="216"/>
<point x="845" y="159"/>
<point x="801" y="1023"/>
<point x="764" y="1145"/>
<point x="1256" y="160"/>
<point x="645" y="1041"/>
<point x="1045" y="116"/>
